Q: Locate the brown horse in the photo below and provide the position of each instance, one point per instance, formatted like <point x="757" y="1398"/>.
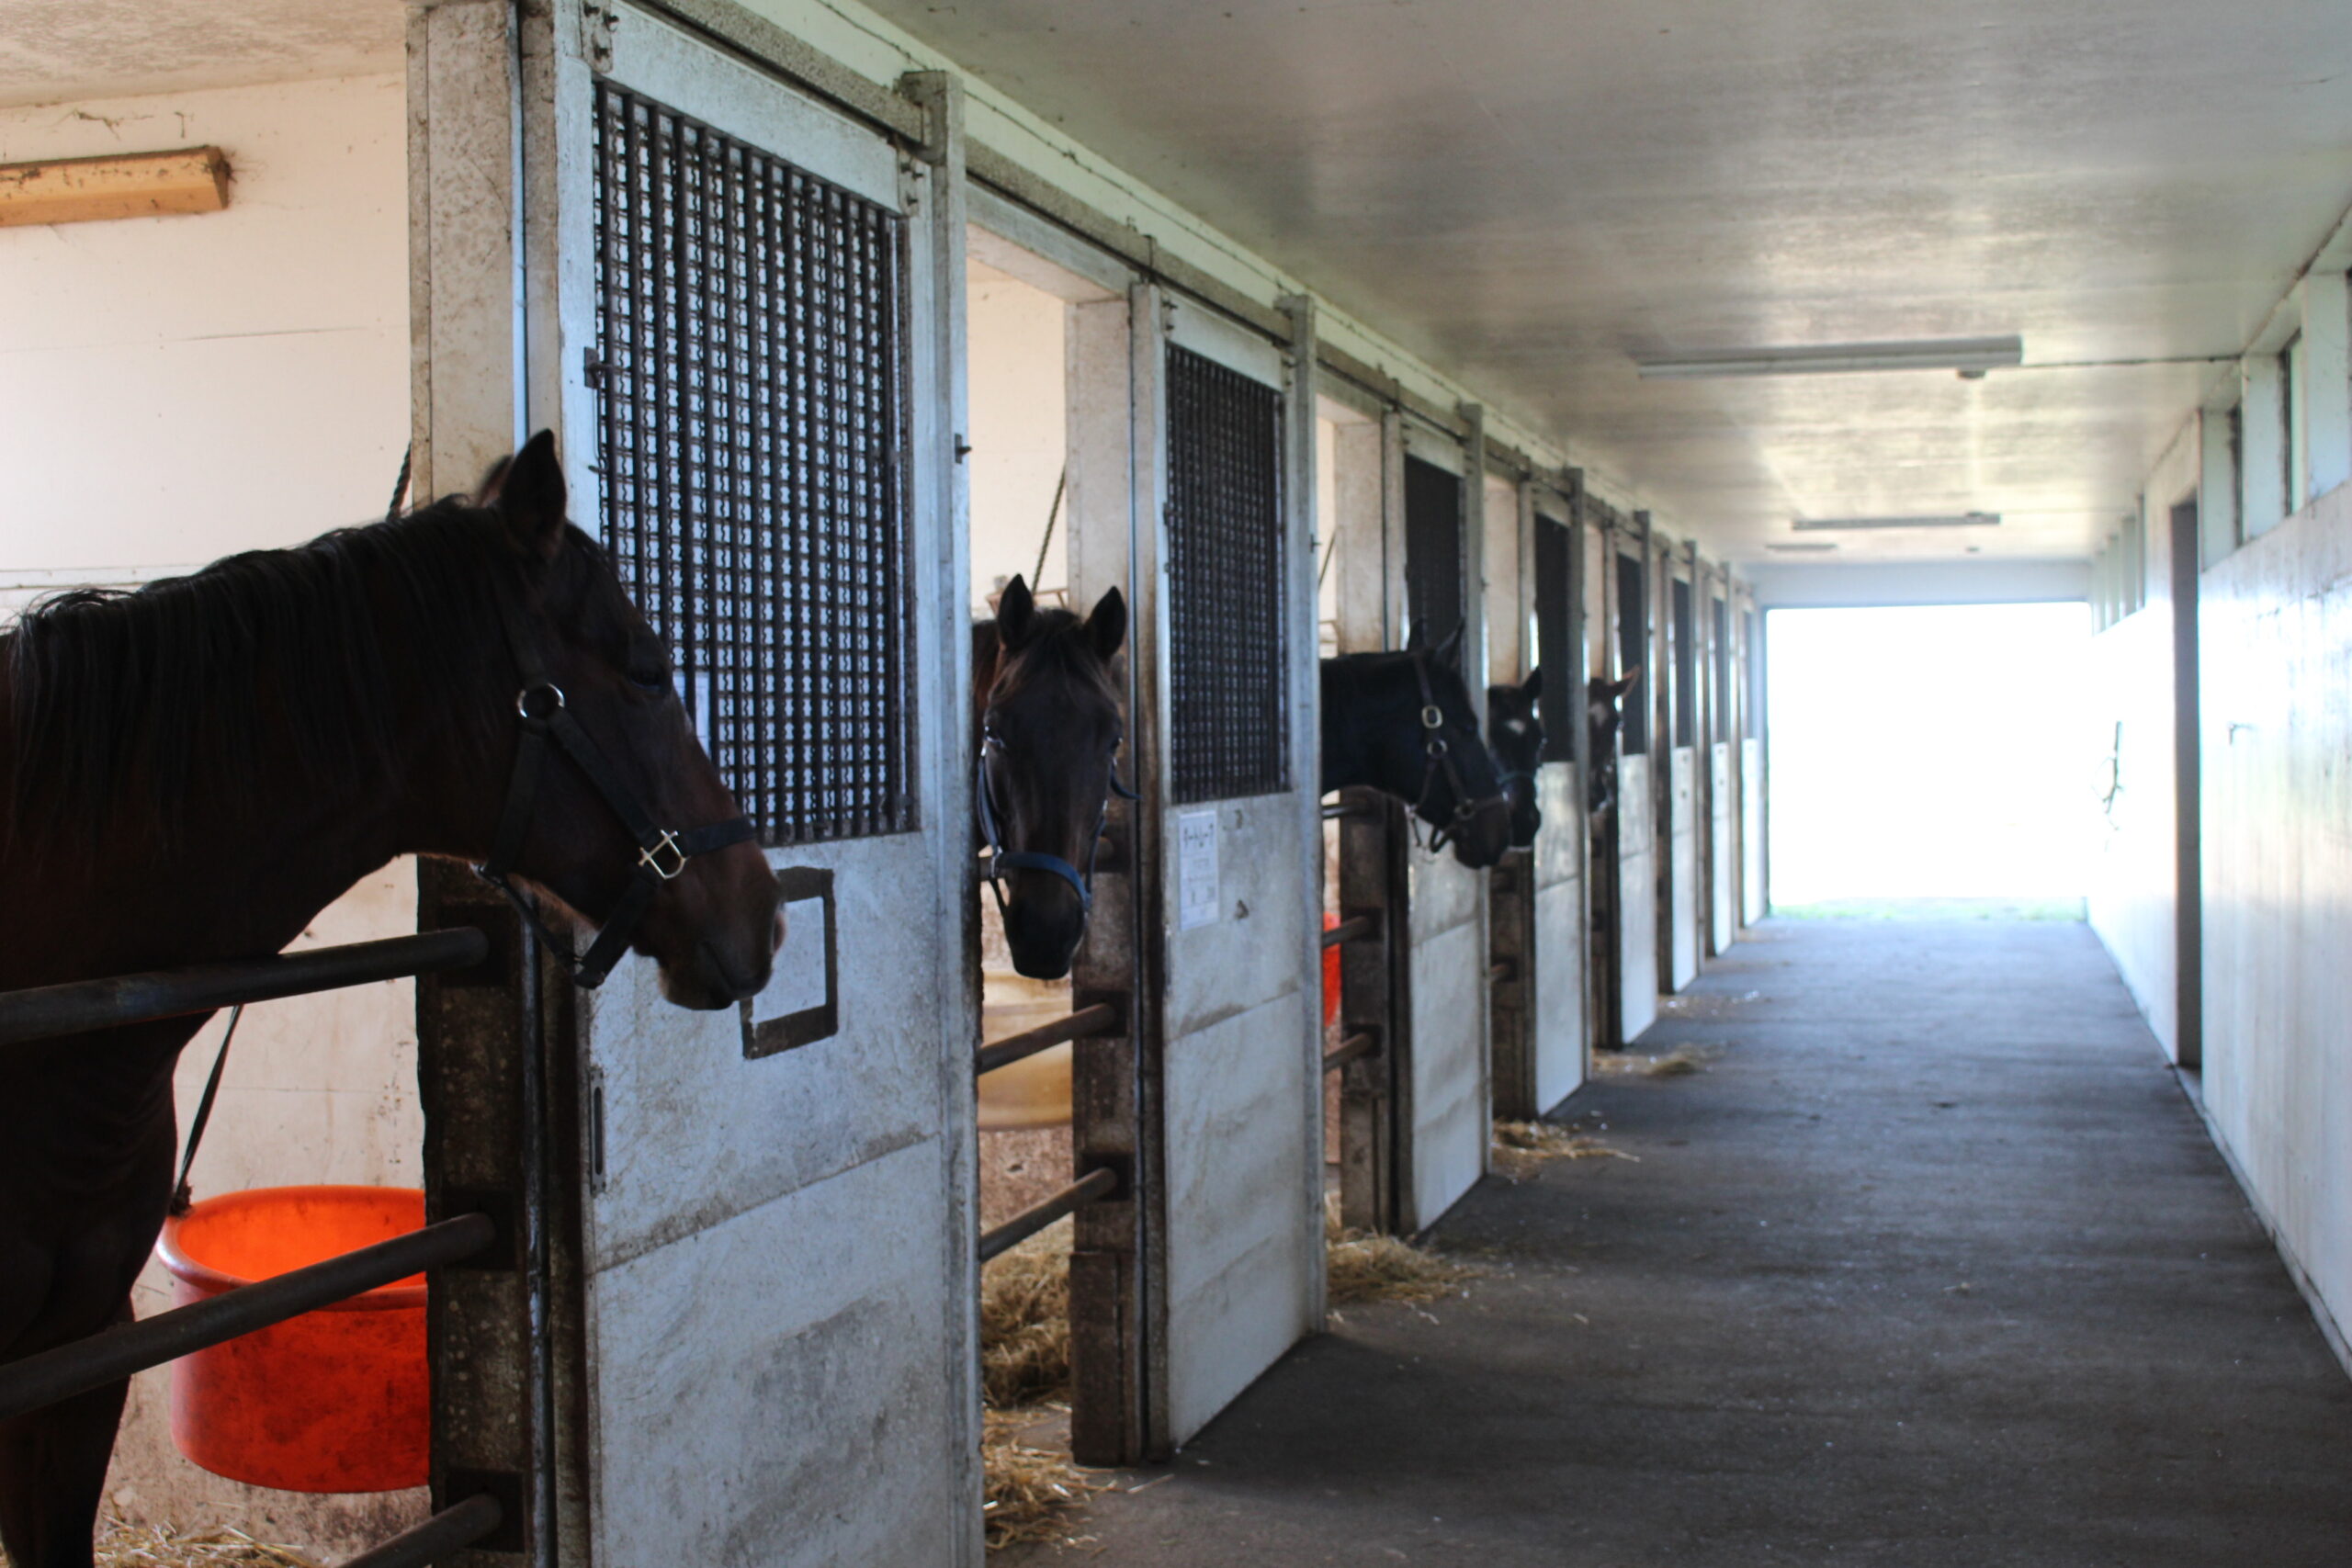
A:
<point x="1045" y="724"/>
<point x="193" y="771"/>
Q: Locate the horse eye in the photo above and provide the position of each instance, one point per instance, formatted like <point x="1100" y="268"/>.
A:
<point x="650" y="677"/>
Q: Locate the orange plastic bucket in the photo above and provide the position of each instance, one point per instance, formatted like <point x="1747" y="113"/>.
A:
<point x="336" y="1400"/>
<point x="1331" y="975"/>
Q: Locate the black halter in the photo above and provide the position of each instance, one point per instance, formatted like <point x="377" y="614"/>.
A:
<point x="662" y="852"/>
<point x="1002" y="859"/>
<point x="1441" y="757"/>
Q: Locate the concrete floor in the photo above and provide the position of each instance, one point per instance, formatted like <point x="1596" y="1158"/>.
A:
<point x="1934" y="1265"/>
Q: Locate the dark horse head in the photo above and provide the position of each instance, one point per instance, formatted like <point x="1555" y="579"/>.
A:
<point x="1403" y="723"/>
<point x="1515" y="732"/>
<point x="373" y="689"/>
<point x="1047" y="724"/>
<point x="1604" y="716"/>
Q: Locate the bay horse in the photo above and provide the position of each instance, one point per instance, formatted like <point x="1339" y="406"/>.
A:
<point x="1515" y="735"/>
<point x="194" y="771"/>
<point x="1402" y="723"/>
<point x="1046" y="730"/>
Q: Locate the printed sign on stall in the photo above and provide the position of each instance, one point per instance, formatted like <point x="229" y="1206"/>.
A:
<point x="1196" y="884"/>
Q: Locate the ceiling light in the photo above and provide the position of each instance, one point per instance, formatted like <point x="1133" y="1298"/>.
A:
<point x="1806" y="546"/>
<point x="1956" y="520"/>
<point x="1969" y="355"/>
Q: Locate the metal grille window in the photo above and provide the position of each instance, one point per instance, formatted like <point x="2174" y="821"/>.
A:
<point x="1433" y="575"/>
<point x="1633" y="653"/>
<point x="750" y="327"/>
<point x="1686" y="665"/>
<point x="1230" y="731"/>
<point x="1562" y="699"/>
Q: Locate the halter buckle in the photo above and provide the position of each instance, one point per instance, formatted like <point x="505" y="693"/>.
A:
<point x="649" y="857"/>
<point x="1432" y="717"/>
<point x="522" y="701"/>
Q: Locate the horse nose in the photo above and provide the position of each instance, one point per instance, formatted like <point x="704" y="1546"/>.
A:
<point x="775" y="943"/>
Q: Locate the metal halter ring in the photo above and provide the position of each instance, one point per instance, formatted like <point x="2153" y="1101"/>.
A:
<point x="1432" y="717"/>
<point x="649" y="857"/>
<point x="523" y="698"/>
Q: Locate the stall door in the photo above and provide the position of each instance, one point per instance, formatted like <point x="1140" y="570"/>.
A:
<point x="1637" y="809"/>
<point x="1226" y="608"/>
<point x="778" y="1255"/>
<point x="1683" y="910"/>
<point x="1556" y="1012"/>
<point x="1444" y="1094"/>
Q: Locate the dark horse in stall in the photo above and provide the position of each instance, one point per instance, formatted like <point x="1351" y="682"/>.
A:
<point x="1604" y="716"/>
<point x="1403" y="723"/>
<point x="1047" y="727"/>
<point x="194" y="771"/>
<point x="1515" y="734"/>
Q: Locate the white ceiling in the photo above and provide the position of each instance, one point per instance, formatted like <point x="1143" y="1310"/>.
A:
<point x="58" y="50"/>
<point x="1529" y="192"/>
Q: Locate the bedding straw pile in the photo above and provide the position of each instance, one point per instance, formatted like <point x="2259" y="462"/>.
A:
<point x="1681" y="1062"/>
<point x="122" y="1545"/>
<point x="1362" y="1267"/>
<point x="1522" y="1146"/>
<point x="1034" y="1493"/>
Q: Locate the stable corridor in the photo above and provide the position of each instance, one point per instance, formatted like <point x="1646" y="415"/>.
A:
<point x="1933" y="1264"/>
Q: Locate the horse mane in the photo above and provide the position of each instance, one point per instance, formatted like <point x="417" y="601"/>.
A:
<point x="121" y="705"/>
<point x="1058" y="646"/>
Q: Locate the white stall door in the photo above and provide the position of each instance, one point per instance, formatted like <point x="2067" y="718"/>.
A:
<point x="1636" y="899"/>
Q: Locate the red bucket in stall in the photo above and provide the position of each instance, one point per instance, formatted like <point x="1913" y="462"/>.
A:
<point x="335" y="1400"/>
<point x="1330" y="975"/>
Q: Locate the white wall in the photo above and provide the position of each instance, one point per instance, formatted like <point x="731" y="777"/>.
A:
<point x="2275" y="628"/>
<point x="172" y="389"/>
<point x="1020" y="433"/>
<point x="2132" y="891"/>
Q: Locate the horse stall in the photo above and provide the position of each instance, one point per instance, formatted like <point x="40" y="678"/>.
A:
<point x="1409" y="532"/>
<point x="739" y="306"/>
<point x="157" y="367"/>
<point x="1682" y="907"/>
<point x="1536" y="895"/>
<point x="1630" y="850"/>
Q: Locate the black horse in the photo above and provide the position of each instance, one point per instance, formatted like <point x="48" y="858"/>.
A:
<point x="1402" y="723"/>
<point x="1515" y="732"/>
<point x="1045" y="724"/>
<point x="193" y="771"/>
<point x="1602" y="719"/>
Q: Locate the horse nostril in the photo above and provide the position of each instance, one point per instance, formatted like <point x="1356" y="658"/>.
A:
<point x="777" y="943"/>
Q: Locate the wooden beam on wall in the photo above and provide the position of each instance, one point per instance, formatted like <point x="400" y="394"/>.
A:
<point x="136" y="184"/>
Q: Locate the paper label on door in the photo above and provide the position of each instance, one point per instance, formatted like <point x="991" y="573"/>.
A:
<point x="1196" y="884"/>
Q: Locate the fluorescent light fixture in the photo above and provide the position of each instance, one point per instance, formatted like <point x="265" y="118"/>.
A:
<point x="1842" y="524"/>
<point x="1806" y="546"/>
<point x="1969" y="355"/>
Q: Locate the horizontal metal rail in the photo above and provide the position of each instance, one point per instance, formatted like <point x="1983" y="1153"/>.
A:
<point x="1352" y="927"/>
<point x="1348" y="1050"/>
<point x="1029" y="1221"/>
<point x="45" y="1013"/>
<point x="452" y="1529"/>
<point x="1087" y="1022"/>
<point x="42" y="1380"/>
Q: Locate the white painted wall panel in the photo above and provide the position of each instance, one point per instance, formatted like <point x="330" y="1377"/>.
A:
<point x="1751" y="831"/>
<point x="1720" y="808"/>
<point x="2276" y="644"/>
<point x="1558" y="1025"/>
<point x="2132" y="892"/>
<point x="1637" y="897"/>
<point x="1683" y="815"/>
<point x="1447" y="981"/>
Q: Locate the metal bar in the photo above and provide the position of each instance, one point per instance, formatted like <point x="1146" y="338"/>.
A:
<point x="1087" y="1022"/>
<point x="1348" y="1050"/>
<point x="44" y="1012"/>
<point x="451" y="1529"/>
<point x="1029" y="1221"/>
<point x="1352" y="927"/>
<point x="40" y="1381"/>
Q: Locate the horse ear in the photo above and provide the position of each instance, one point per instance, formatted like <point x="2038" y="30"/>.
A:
<point x="1106" y="628"/>
<point x="1449" y="652"/>
<point x="1532" y="687"/>
<point x="1016" y="615"/>
<point x="527" y="491"/>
